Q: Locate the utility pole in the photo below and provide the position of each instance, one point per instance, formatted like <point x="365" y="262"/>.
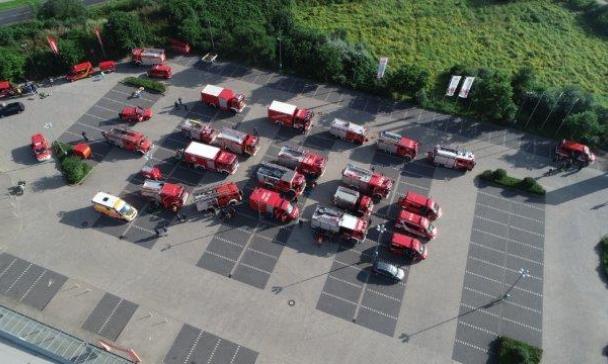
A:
<point x="565" y="117"/>
<point x="523" y="273"/>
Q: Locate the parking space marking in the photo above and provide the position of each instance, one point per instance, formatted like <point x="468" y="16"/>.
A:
<point x="509" y="225"/>
<point x="338" y="298"/>
<point x="86" y="126"/>
<point x="95" y="116"/>
<point x="19" y="277"/>
<point x="33" y="285"/>
<point x="128" y="94"/>
<point x="486" y="312"/>
<point x="475" y="327"/>
<point x="105" y="108"/>
<point x="264" y="254"/>
<point x="507" y="253"/>
<point x="511" y="201"/>
<point x="510" y="240"/>
<point x="378" y="312"/>
<point x="383" y="295"/>
<point x="214" y="350"/>
<point x="143" y="229"/>
<point x="499" y="282"/>
<point x="194" y="345"/>
<point x="472" y="346"/>
<point x="506" y="302"/>
<point x="502" y="210"/>
<point x="115" y="101"/>
<point x="344" y="281"/>
<point x="501" y="267"/>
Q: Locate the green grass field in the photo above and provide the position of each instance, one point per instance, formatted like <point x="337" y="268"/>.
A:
<point x="437" y="34"/>
<point x="16" y="3"/>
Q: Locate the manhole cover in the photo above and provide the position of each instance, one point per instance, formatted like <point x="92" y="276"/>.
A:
<point x="85" y="224"/>
<point x="291" y="303"/>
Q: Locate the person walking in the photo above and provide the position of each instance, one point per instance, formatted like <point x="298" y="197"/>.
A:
<point x="255" y="132"/>
<point x="179" y="99"/>
<point x="84" y="136"/>
<point x="176" y="105"/>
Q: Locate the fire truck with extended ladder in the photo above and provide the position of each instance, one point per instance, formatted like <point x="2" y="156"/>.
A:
<point x="281" y="179"/>
<point x="168" y="195"/>
<point x="352" y="200"/>
<point x="331" y="223"/>
<point x="302" y="160"/>
<point x="451" y="158"/>
<point x="128" y="139"/>
<point x="370" y="183"/>
<point x="398" y="145"/>
<point x="225" y="138"/>
<point x="220" y="198"/>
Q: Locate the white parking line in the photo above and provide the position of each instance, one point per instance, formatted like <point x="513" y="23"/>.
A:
<point x="509" y="239"/>
<point x="105" y="108"/>
<point x="415" y="185"/>
<point x="264" y="254"/>
<point x="105" y="323"/>
<point x="230" y="242"/>
<point x="509" y="225"/>
<point x="486" y="351"/>
<point x="477" y="309"/>
<point x="379" y="312"/>
<point x="508" y="302"/>
<point x="128" y="94"/>
<point x="500" y="266"/>
<point x="19" y="277"/>
<point x="463" y="323"/>
<point x="33" y="285"/>
<point x="220" y="256"/>
<point x="143" y="229"/>
<point x="344" y="281"/>
<point x="115" y="101"/>
<point x="238" y="347"/>
<point x="499" y="282"/>
<point x="95" y="116"/>
<point x="383" y="295"/>
<point x="512" y="201"/>
<point x="507" y="253"/>
<point x="507" y="212"/>
<point x="252" y="267"/>
<point x="339" y="298"/>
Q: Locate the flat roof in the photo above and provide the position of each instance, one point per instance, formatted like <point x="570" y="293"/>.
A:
<point x="202" y="150"/>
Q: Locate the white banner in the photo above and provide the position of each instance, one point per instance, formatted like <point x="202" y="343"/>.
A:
<point x="466" y="87"/>
<point x="382" y="67"/>
<point x="453" y="85"/>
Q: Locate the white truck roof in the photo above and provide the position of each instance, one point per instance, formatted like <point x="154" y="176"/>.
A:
<point x="349" y="222"/>
<point x="454" y="153"/>
<point x="105" y="199"/>
<point x="202" y="150"/>
<point x="212" y="90"/>
<point x="232" y="135"/>
<point x="347" y="195"/>
<point x="347" y="125"/>
<point x="356" y="172"/>
<point x="389" y="135"/>
<point x="282" y="107"/>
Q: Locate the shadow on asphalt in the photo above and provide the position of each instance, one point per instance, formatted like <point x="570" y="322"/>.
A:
<point x="23" y="155"/>
<point x="578" y="189"/>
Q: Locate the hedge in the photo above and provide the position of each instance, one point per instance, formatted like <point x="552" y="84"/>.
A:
<point x="511" y="351"/>
<point x="500" y="177"/>
<point x="73" y="168"/>
<point x="148" y="85"/>
<point x="604" y="253"/>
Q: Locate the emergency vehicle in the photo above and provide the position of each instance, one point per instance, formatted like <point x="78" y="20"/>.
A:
<point x="415" y="224"/>
<point x="40" y="148"/>
<point x="281" y="179"/>
<point x="223" y="98"/>
<point x="405" y="245"/>
<point x="350" y="132"/>
<point x="86" y="69"/>
<point x="577" y="152"/>
<point x="148" y="56"/>
<point x="113" y="206"/>
<point x="168" y="195"/>
<point x="151" y="172"/>
<point x="331" y="223"/>
<point x="226" y="138"/>
<point x="135" y="114"/>
<point x="352" y="200"/>
<point x="302" y="160"/>
<point x="421" y="205"/>
<point x="271" y="204"/>
<point x="208" y="157"/>
<point x="128" y="139"/>
<point x="217" y="197"/>
<point x="290" y="115"/>
<point x="398" y="145"/>
<point x="451" y="158"/>
<point x="370" y="183"/>
<point x="160" y="71"/>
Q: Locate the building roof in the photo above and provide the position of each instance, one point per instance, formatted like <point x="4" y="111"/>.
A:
<point x="282" y="107"/>
<point x="202" y="150"/>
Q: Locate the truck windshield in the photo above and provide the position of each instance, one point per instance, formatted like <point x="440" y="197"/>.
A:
<point x="126" y="210"/>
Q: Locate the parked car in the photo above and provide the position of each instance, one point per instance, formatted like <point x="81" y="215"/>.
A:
<point x="388" y="270"/>
<point x="12" y="109"/>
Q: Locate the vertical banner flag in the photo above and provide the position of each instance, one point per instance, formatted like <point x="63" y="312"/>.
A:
<point x="382" y="67"/>
<point x="98" y="35"/>
<point x="466" y="87"/>
<point x="53" y="44"/>
<point x="454" y="81"/>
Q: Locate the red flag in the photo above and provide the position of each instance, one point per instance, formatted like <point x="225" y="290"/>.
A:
<point x="53" y="44"/>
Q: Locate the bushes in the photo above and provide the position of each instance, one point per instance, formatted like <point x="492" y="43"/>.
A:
<point x="73" y="168"/>
<point x="12" y="64"/>
<point x="63" y="10"/>
<point x="598" y="19"/>
<point x="511" y="351"/>
<point x="125" y="31"/>
<point x="149" y="85"/>
<point x="500" y="177"/>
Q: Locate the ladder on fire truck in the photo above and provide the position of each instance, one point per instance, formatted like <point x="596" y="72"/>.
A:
<point x="211" y="192"/>
<point x="108" y="346"/>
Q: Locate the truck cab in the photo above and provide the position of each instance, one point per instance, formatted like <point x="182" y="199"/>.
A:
<point x="40" y="147"/>
<point x="451" y="158"/>
<point x="113" y="206"/>
<point x="420" y="205"/>
<point x="415" y="224"/>
<point x="270" y="203"/>
<point x="579" y="153"/>
<point x="398" y="145"/>
<point x="80" y="71"/>
<point x="405" y="245"/>
<point x="134" y="114"/>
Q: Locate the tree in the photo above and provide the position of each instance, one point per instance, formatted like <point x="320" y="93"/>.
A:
<point x="125" y="31"/>
<point x="407" y="80"/>
<point x="252" y="42"/>
<point x="598" y="18"/>
<point x="12" y="64"/>
<point x="522" y="81"/>
<point x="584" y="126"/>
<point x="492" y="96"/>
<point x="62" y="10"/>
<point x="71" y="52"/>
<point x="190" y="30"/>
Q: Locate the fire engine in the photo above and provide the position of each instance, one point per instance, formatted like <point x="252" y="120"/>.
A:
<point x="160" y="71"/>
<point x="226" y="138"/>
<point x="113" y="206"/>
<point x="223" y="98"/>
<point x="420" y="205"/>
<point x="147" y="56"/>
<point x="570" y="150"/>
<point x="331" y="223"/>
<point x="350" y="132"/>
<point x="370" y="183"/>
<point x="281" y="179"/>
<point x="451" y="158"/>
<point x="398" y="145"/>
<point x="151" y="172"/>
<point x="290" y="115"/>
<point x="302" y="160"/>
<point x="215" y="198"/>
<point x="208" y="157"/>
<point x="128" y="139"/>
<point x="40" y="148"/>
<point x="415" y="224"/>
<point x="168" y="195"/>
<point x="353" y="201"/>
<point x="271" y="203"/>
<point x="135" y="114"/>
<point x="86" y="69"/>
<point x="402" y="244"/>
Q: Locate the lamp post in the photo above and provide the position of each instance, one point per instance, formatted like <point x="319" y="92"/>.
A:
<point x="523" y="273"/>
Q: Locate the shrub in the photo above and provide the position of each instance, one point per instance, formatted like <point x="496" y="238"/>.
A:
<point x="61" y="149"/>
<point x="500" y="177"/>
<point x="149" y="85"/>
<point x="513" y="351"/>
<point x="125" y="31"/>
<point x="598" y="18"/>
<point x="527" y="183"/>
<point x="74" y="169"/>
<point x="499" y="174"/>
<point x="12" y="64"/>
<point x="62" y="10"/>
<point x="407" y="80"/>
<point x="488" y="175"/>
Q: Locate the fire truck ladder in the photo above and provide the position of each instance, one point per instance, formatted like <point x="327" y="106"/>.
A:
<point x="108" y="346"/>
<point x="271" y="171"/>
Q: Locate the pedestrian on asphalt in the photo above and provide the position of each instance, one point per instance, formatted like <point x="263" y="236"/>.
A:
<point x="84" y="136"/>
<point x="176" y="105"/>
<point x="179" y="99"/>
<point x="255" y="132"/>
<point x="157" y="232"/>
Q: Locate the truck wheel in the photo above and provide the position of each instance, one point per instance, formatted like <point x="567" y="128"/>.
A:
<point x="377" y="198"/>
<point x="407" y="158"/>
<point x="212" y="211"/>
<point x="232" y="203"/>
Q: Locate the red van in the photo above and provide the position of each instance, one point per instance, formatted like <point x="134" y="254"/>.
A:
<point x="415" y="224"/>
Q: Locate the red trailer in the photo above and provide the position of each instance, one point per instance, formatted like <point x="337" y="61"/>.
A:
<point x="223" y="98"/>
<point x="402" y="244"/>
<point x="577" y="152"/>
<point x="302" y="160"/>
<point x="40" y="147"/>
<point x="225" y="138"/>
<point x="208" y="157"/>
<point x="160" y="71"/>
<point x="148" y="56"/>
<point x="370" y="183"/>
<point x="128" y="139"/>
<point x="168" y="195"/>
<point x="290" y="116"/>
<point x="420" y="205"/>
<point x="135" y="114"/>
<point x="271" y="203"/>
<point x="396" y="144"/>
<point x="350" y="132"/>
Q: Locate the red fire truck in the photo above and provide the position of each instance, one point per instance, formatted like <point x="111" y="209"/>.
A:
<point x="415" y="224"/>
<point x="179" y="46"/>
<point x="396" y="144"/>
<point x="160" y="71"/>
<point x="290" y="116"/>
<point x="350" y="132"/>
<point x="85" y="69"/>
<point x="208" y="157"/>
<point x="370" y="183"/>
<point x="302" y="160"/>
<point x="451" y="158"/>
<point x="223" y="98"/>
<point x="226" y="138"/>
<point x="353" y="201"/>
<point x="577" y="152"/>
<point x="40" y="148"/>
<point x="151" y="172"/>
<point x="281" y="179"/>
<point x="148" y="56"/>
<point x="128" y="139"/>
<point x="420" y="205"/>
<point x="270" y="203"/>
<point x="168" y="195"/>
<point x="331" y="223"/>
<point x="135" y="114"/>
<point x="215" y="198"/>
<point x="405" y="245"/>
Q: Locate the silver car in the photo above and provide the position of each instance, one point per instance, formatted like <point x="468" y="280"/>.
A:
<point x="388" y="270"/>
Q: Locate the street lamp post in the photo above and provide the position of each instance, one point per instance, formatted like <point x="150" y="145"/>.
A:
<point x="523" y="273"/>
<point x="49" y="126"/>
<point x="550" y="112"/>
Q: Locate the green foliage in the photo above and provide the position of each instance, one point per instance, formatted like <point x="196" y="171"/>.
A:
<point x="500" y="177"/>
<point x="252" y="42"/>
<point x="492" y="96"/>
<point x="125" y="31"/>
<point x="63" y="10"/>
<point x="598" y="19"/>
<point x="148" y="85"/>
<point x="513" y="351"/>
<point x="523" y="80"/>
<point x="61" y="149"/>
<point x="42" y="63"/>
<point x="74" y="169"/>
<point x="407" y="80"/>
<point x="499" y="174"/>
<point x="11" y="64"/>
<point x="585" y="127"/>
<point x="487" y="175"/>
<point x="527" y="183"/>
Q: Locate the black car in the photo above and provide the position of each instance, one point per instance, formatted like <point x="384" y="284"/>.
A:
<point x="12" y="109"/>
